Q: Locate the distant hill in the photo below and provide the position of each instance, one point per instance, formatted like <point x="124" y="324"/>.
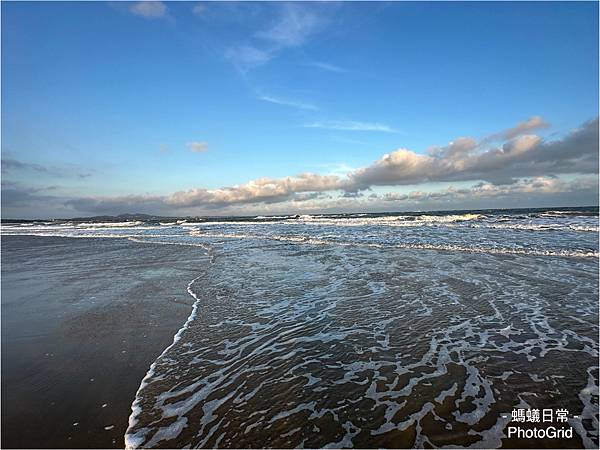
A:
<point x="119" y="218"/>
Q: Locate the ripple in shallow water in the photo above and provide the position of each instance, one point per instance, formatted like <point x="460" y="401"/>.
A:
<point x="317" y="346"/>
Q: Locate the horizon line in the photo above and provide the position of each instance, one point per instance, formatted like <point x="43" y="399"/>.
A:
<point x="116" y="216"/>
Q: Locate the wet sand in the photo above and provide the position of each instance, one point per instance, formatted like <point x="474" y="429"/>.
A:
<point x="82" y="320"/>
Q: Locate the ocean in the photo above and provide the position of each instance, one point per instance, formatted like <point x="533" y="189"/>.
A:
<point x="371" y="330"/>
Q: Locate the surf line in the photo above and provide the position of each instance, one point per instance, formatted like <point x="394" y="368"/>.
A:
<point x="131" y="440"/>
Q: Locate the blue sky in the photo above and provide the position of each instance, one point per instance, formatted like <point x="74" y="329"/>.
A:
<point x="178" y="107"/>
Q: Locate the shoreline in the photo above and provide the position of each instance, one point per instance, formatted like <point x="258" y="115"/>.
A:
<point x="135" y="408"/>
<point x="75" y="347"/>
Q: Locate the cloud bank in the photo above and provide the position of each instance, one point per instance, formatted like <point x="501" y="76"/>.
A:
<point x="504" y="168"/>
<point x="522" y="164"/>
<point x="465" y="159"/>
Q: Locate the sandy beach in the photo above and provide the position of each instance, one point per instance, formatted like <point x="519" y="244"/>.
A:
<point x="82" y="320"/>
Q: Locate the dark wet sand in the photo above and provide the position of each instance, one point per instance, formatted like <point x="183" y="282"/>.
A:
<point x="82" y="320"/>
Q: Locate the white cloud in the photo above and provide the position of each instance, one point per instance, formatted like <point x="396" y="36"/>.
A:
<point x="272" y="197"/>
<point x="197" y="147"/>
<point x="261" y="190"/>
<point x="287" y="102"/>
<point x="525" y="167"/>
<point x="465" y="159"/>
<point x="149" y="9"/>
<point x="351" y="125"/>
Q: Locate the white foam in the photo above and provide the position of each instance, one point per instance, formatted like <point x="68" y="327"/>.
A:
<point x="134" y="440"/>
<point x="109" y="224"/>
<point x="416" y="246"/>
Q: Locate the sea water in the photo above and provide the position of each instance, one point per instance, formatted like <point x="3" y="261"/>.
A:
<point x="371" y="330"/>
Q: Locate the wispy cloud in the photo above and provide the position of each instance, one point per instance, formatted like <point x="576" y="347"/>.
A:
<point x="245" y="57"/>
<point x="294" y="25"/>
<point x="10" y="166"/>
<point x="326" y="66"/>
<point x="197" y="147"/>
<point x="198" y="9"/>
<point x="287" y="102"/>
<point x="351" y="125"/>
<point x="149" y="9"/>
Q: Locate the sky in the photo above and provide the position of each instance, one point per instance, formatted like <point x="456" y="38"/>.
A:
<point x="242" y="108"/>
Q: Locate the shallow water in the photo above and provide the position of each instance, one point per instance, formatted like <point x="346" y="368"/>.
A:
<point x="373" y="330"/>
